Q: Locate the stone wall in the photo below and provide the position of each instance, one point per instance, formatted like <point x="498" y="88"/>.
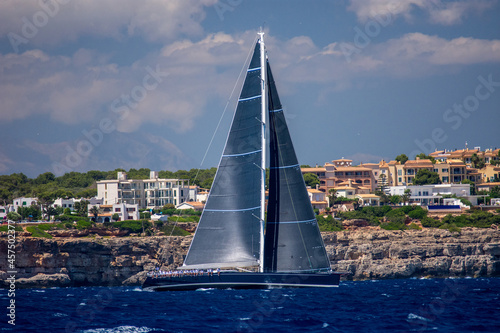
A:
<point x="362" y="254"/>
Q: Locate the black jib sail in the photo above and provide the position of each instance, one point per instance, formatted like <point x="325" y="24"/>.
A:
<point x="228" y="234"/>
<point x="293" y="242"/>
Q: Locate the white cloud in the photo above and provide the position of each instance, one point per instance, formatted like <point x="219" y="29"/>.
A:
<point x="418" y="52"/>
<point x="411" y="55"/>
<point x="439" y="11"/>
<point x="85" y="87"/>
<point x="44" y="22"/>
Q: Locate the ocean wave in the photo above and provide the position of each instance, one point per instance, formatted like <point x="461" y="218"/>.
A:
<point x="121" y="329"/>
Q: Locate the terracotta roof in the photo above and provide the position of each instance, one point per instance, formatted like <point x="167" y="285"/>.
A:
<point x="313" y="190"/>
<point x="368" y="196"/>
<point x="456" y="162"/>
<point x="490" y="184"/>
<point x="418" y="163"/>
<point x="194" y="203"/>
<point x="342" y="160"/>
<point x="320" y="169"/>
<point x="436" y="153"/>
<point x="352" y="168"/>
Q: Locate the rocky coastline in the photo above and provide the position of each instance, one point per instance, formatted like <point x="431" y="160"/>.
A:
<point x="365" y="253"/>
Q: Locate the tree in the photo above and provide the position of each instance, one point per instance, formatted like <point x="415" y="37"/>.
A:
<point x="476" y="161"/>
<point x="406" y="196"/>
<point x="333" y="196"/>
<point x="422" y="156"/>
<point x="95" y="212"/>
<point x="13" y="216"/>
<point x="311" y="179"/>
<point x="425" y="176"/>
<point x="115" y="217"/>
<point x="382" y="182"/>
<point x="46" y="200"/>
<point x="472" y="186"/>
<point x="81" y="207"/>
<point x="395" y="199"/>
<point x="402" y="158"/>
<point x="495" y="192"/>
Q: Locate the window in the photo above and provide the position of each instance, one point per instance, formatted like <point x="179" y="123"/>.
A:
<point x="444" y="170"/>
<point x="435" y="170"/>
<point x="400" y="180"/>
<point x="400" y="172"/>
<point x="117" y="210"/>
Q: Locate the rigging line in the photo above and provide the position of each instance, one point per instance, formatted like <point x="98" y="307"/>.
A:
<point x="220" y="120"/>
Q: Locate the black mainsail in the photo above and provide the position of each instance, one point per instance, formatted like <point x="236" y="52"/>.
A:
<point x="228" y="234"/>
<point x="231" y="228"/>
<point x="293" y="241"/>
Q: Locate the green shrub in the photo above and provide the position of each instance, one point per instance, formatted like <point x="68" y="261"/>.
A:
<point x="398" y="212"/>
<point x="83" y="224"/>
<point x="409" y="208"/>
<point x="414" y="226"/>
<point x="328" y="223"/>
<point x="134" y="226"/>
<point x="186" y="218"/>
<point x="450" y="227"/>
<point x="47" y="226"/>
<point x="393" y="226"/>
<point x="417" y="213"/>
<point x="36" y="232"/>
<point x="67" y="218"/>
<point x="466" y="202"/>
<point x="429" y="222"/>
<point x="169" y="229"/>
<point x="376" y="211"/>
<point x="5" y="228"/>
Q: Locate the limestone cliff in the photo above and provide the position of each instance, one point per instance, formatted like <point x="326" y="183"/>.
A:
<point x="362" y="254"/>
<point x="381" y="254"/>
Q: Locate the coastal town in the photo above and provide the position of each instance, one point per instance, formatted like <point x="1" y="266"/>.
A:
<point x="449" y="180"/>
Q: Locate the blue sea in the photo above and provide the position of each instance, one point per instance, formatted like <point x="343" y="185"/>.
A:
<point x="412" y="305"/>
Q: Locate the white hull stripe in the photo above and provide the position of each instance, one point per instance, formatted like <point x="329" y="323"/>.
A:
<point x="270" y="284"/>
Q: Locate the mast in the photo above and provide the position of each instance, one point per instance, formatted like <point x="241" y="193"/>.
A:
<point x="263" y="87"/>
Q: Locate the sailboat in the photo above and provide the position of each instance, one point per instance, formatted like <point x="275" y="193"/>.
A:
<point x="284" y="249"/>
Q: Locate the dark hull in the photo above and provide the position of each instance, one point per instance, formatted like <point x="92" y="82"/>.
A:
<point x="238" y="280"/>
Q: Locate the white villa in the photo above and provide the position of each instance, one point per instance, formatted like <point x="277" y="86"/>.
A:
<point x="146" y="193"/>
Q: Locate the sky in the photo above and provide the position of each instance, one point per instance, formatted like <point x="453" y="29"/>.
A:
<point x="100" y="85"/>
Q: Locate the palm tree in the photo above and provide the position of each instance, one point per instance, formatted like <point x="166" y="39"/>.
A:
<point x="406" y="196"/>
<point x="332" y="196"/>
<point x="94" y="211"/>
